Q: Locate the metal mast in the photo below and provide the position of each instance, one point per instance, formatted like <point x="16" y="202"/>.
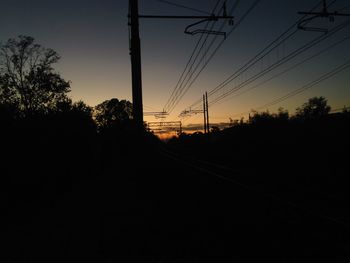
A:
<point x="135" y="53"/>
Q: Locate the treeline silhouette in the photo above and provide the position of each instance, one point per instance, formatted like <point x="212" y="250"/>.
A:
<point x="45" y="135"/>
<point x="84" y="184"/>
<point x="313" y="133"/>
<point x="308" y="151"/>
<point x="55" y="153"/>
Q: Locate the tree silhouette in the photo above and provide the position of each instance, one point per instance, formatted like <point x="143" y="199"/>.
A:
<point x="282" y="114"/>
<point x="113" y="112"/>
<point x="346" y="111"/>
<point x="260" y="118"/>
<point x="27" y="78"/>
<point x="314" y="108"/>
<point x="67" y="106"/>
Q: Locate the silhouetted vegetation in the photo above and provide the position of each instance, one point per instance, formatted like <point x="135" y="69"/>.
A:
<point x="28" y="81"/>
<point x="315" y="108"/>
<point x="112" y="113"/>
<point x="85" y="184"/>
<point x="297" y="161"/>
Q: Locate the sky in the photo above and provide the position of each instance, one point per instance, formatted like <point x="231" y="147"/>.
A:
<point x="92" y="38"/>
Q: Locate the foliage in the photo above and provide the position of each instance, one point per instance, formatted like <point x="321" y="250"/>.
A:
<point x="215" y="129"/>
<point x="113" y="112"/>
<point x="266" y="117"/>
<point x="27" y="78"/>
<point x="346" y="111"/>
<point x="235" y="123"/>
<point x="260" y="117"/>
<point x="78" y="108"/>
<point x="282" y="114"/>
<point x="314" y="108"/>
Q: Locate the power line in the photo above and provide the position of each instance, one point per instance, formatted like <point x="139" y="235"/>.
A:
<point x="150" y="108"/>
<point x="207" y="61"/>
<point x="292" y="67"/>
<point x="309" y="85"/>
<point x="268" y="49"/>
<point x="215" y="51"/>
<point x="191" y="71"/>
<point x="185" y="7"/>
<point x="282" y="61"/>
<point x="175" y="90"/>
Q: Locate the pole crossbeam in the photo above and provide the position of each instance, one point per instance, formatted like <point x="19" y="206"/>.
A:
<point x="163" y="123"/>
<point x="157" y="115"/>
<point x="212" y="17"/>
<point x="165" y="127"/>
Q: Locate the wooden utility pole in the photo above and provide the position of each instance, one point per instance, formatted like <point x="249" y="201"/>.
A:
<point x="135" y="53"/>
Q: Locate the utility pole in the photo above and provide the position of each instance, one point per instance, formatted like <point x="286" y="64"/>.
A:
<point x="135" y="53"/>
<point x="206" y="111"/>
<point x="135" y="50"/>
<point x="205" y="116"/>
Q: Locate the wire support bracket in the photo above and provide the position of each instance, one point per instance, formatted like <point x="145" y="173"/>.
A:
<point x="314" y="15"/>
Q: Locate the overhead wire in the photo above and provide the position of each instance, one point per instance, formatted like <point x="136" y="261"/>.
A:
<point x="292" y="67"/>
<point x="191" y="71"/>
<point x="204" y="56"/>
<point x="149" y="108"/>
<point x="183" y="75"/>
<point x="282" y="61"/>
<point x="324" y="77"/>
<point x="290" y="56"/>
<point x="215" y="51"/>
<point x="264" y="52"/>
<point x="185" y="7"/>
<point x="305" y="87"/>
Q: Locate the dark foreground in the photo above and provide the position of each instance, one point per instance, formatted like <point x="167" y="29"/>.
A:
<point x="130" y="198"/>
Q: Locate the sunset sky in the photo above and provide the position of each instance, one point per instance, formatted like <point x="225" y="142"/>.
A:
<point x="92" y="38"/>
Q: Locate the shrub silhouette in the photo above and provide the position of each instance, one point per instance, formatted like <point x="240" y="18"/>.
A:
<point x="314" y="108"/>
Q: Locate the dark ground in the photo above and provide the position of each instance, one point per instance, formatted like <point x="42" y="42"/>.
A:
<point x="129" y="198"/>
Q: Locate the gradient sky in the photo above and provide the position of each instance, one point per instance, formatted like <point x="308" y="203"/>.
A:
<point x="92" y="38"/>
